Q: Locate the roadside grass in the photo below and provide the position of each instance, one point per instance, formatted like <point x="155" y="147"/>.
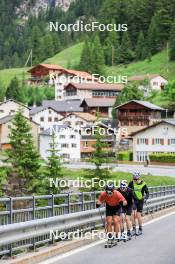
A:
<point x="117" y="176"/>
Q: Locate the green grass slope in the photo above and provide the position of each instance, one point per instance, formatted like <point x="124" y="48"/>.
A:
<point x="158" y="64"/>
<point x="68" y="56"/>
<point x="71" y="56"/>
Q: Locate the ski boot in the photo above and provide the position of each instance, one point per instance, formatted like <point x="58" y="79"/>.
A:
<point x="129" y="235"/>
<point x="139" y="233"/>
<point x="134" y="231"/>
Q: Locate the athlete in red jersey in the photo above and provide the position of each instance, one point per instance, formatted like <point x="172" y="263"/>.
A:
<point x="113" y="200"/>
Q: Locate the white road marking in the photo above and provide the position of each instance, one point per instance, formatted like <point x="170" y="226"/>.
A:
<point x="75" y="251"/>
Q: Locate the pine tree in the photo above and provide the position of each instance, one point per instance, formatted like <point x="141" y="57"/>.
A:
<point x="153" y="37"/>
<point x="111" y="48"/>
<point x="23" y="154"/>
<point x="172" y="43"/>
<point x="86" y="57"/>
<point x="140" y="47"/>
<point x="99" y="158"/>
<point x="97" y="57"/>
<point x="54" y="169"/>
<point x="15" y="90"/>
<point x="126" y="53"/>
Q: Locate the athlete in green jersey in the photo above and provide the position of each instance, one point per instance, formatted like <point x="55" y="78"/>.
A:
<point x="140" y="195"/>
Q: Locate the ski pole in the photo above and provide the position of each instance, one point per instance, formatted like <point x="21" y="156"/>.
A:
<point x="103" y="220"/>
<point x="149" y="210"/>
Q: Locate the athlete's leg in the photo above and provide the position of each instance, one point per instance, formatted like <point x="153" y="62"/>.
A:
<point x="109" y="224"/>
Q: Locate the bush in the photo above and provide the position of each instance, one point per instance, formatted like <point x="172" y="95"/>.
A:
<point x="125" y="155"/>
<point x="162" y="157"/>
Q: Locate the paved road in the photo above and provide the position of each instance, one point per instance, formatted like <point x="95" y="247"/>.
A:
<point x="154" y="170"/>
<point x="156" y="246"/>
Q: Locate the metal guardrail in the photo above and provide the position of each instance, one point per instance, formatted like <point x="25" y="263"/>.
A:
<point x="20" y="236"/>
<point x="21" y="209"/>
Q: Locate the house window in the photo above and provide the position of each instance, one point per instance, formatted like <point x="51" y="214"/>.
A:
<point x="74" y="145"/>
<point x="157" y="141"/>
<point x="12" y="111"/>
<point x="42" y="119"/>
<point x="56" y="119"/>
<point x="49" y="119"/>
<point x="50" y="111"/>
<point x="72" y="136"/>
<point x="142" y="141"/>
<point x="66" y="156"/>
<point x="64" y="145"/>
<point x="171" y="141"/>
<point x="1" y="111"/>
<point x="9" y="126"/>
<point x="62" y="136"/>
<point x="155" y="83"/>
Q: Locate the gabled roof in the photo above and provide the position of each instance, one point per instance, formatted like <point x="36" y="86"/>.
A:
<point x="8" y="118"/>
<point x="86" y="116"/>
<point x="38" y="109"/>
<point x="97" y="86"/>
<point x="143" y="77"/>
<point x="81" y="74"/>
<point x="165" y="121"/>
<point x="99" y="102"/>
<point x="144" y="103"/>
<point x="48" y="66"/>
<point x="64" y="106"/>
<point x="12" y="100"/>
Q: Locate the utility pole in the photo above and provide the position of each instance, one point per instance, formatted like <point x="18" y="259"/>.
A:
<point x="167" y="57"/>
<point x="112" y="55"/>
<point x="30" y="57"/>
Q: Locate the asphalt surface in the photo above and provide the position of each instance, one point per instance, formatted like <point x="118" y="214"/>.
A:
<point x="155" y="246"/>
<point x="152" y="169"/>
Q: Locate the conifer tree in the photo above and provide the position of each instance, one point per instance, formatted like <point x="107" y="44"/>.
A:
<point x="140" y="47"/>
<point x="97" y="57"/>
<point x="126" y="53"/>
<point x="172" y="43"/>
<point x="23" y="154"/>
<point x="54" y="168"/>
<point x="15" y="90"/>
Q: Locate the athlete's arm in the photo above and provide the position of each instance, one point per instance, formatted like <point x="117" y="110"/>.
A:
<point x="100" y="200"/>
<point x="146" y="192"/>
<point x="122" y="200"/>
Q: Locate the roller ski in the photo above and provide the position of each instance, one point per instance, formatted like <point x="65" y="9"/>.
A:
<point x="111" y="242"/>
<point x="126" y="236"/>
<point x="139" y="233"/>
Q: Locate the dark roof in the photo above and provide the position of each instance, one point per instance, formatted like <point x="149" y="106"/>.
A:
<point x="144" y="103"/>
<point x="97" y="86"/>
<point x="166" y="121"/>
<point x="99" y="102"/>
<point x="64" y="106"/>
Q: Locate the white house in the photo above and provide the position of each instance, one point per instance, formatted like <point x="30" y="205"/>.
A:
<point x="65" y="77"/>
<point x="80" y="119"/>
<point x="157" y="138"/>
<point x="45" y="116"/>
<point x="10" y="107"/>
<point x="152" y="82"/>
<point x="67" y="142"/>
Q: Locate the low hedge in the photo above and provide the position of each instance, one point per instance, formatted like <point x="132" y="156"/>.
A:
<point x="125" y="156"/>
<point x="162" y="157"/>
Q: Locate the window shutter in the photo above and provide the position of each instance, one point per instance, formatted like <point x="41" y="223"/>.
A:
<point x="169" y="141"/>
<point x="138" y="141"/>
<point x="153" y="141"/>
<point x="162" y="141"/>
<point x="147" y="141"/>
